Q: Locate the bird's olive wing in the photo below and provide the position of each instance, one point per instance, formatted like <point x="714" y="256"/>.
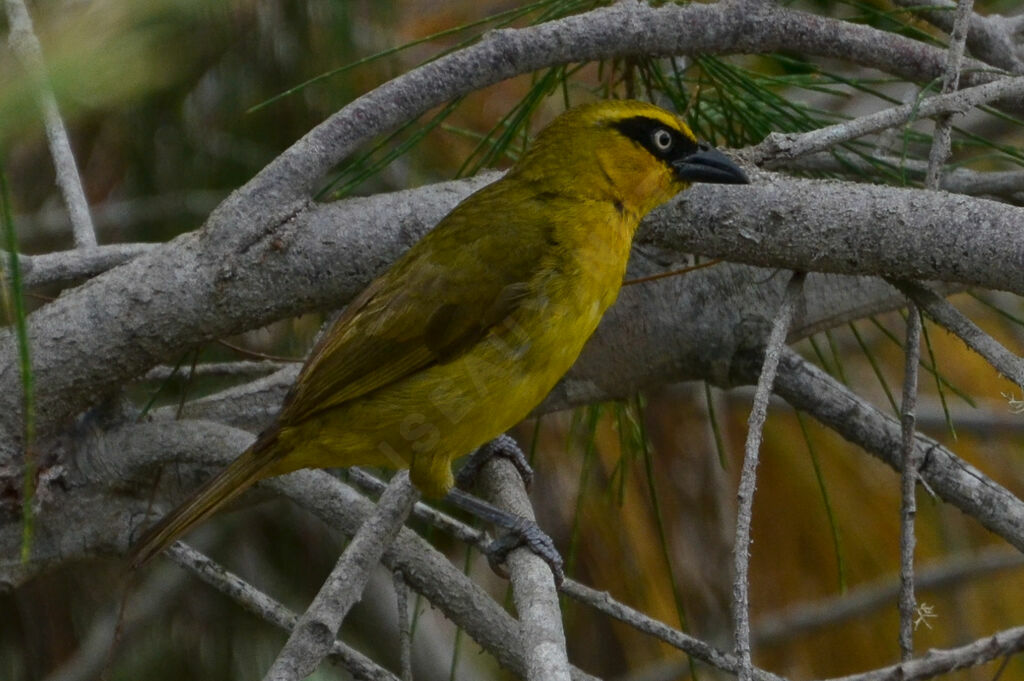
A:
<point x="433" y="305"/>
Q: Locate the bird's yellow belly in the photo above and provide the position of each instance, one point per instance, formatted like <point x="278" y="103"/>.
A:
<point x="426" y="420"/>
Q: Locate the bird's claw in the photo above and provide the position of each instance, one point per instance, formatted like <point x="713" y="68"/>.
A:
<point x="503" y="445"/>
<point x="525" y="533"/>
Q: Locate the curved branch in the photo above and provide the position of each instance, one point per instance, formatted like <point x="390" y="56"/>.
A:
<point x="624" y="29"/>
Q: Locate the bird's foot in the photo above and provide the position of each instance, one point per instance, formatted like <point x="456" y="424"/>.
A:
<point x="503" y="445"/>
<point x="519" y="531"/>
<point x="526" y="533"/>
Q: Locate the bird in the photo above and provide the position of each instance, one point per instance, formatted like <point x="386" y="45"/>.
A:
<point x="471" y="328"/>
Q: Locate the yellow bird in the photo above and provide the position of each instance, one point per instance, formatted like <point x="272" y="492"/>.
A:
<point x="469" y="330"/>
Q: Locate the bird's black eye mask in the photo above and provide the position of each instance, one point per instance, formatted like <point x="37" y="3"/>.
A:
<point x="662" y="141"/>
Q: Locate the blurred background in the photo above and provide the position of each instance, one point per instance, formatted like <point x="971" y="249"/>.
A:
<point x="172" y="104"/>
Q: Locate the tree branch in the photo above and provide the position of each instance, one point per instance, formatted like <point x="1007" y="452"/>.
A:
<point x="266" y="608"/>
<point x="811" y="390"/>
<point x="89" y="341"/>
<point x="748" y="475"/>
<point x="938" y="662"/>
<point x="26" y="45"/>
<point x="780" y="147"/>
<point x="314" y="632"/>
<point x="533" y="588"/>
<point x="991" y="39"/>
<point x="93" y="508"/>
<point x="624" y="29"/>
<point x="909" y="461"/>
<point x="604" y="603"/>
<point x="948" y="317"/>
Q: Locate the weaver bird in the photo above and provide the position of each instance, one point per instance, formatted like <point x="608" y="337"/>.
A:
<point x="469" y="330"/>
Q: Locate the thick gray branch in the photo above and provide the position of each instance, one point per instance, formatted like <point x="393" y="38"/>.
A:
<point x="90" y="340"/>
<point x="665" y="331"/>
<point x="849" y="228"/>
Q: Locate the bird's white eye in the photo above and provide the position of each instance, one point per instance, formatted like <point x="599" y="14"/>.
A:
<point x="662" y="139"/>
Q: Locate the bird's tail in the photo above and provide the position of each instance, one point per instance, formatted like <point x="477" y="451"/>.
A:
<point x="249" y="467"/>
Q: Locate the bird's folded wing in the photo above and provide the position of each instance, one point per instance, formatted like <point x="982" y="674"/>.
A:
<point x="433" y="305"/>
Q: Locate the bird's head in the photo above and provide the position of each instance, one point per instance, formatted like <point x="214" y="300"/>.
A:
<point x="632" y="153"/>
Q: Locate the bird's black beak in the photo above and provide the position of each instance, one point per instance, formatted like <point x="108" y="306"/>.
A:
<point x="709" y="165"/>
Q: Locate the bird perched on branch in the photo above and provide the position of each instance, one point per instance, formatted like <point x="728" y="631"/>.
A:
<point x="469" y="330"/>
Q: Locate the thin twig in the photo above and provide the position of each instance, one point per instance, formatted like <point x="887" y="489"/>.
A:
<point x="950" y="81"/>
<point x="908" y="486"/>
<point x="268" y="609"/>
<point x="1005" y="183"/>
<point x="241" y="368"/>
<point x="404" y="632"/>
<point x="946" y="574"/>
<point x="780" y="147"/>
<point x="26" y="45"/>
<point x="748" y="477"/>
<point x="937" y="156"/>
<point x="942" y="312"/>
<point x="938" y="662"/>
<point x="698" y="649"/>
<point x="311" y="639"/>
